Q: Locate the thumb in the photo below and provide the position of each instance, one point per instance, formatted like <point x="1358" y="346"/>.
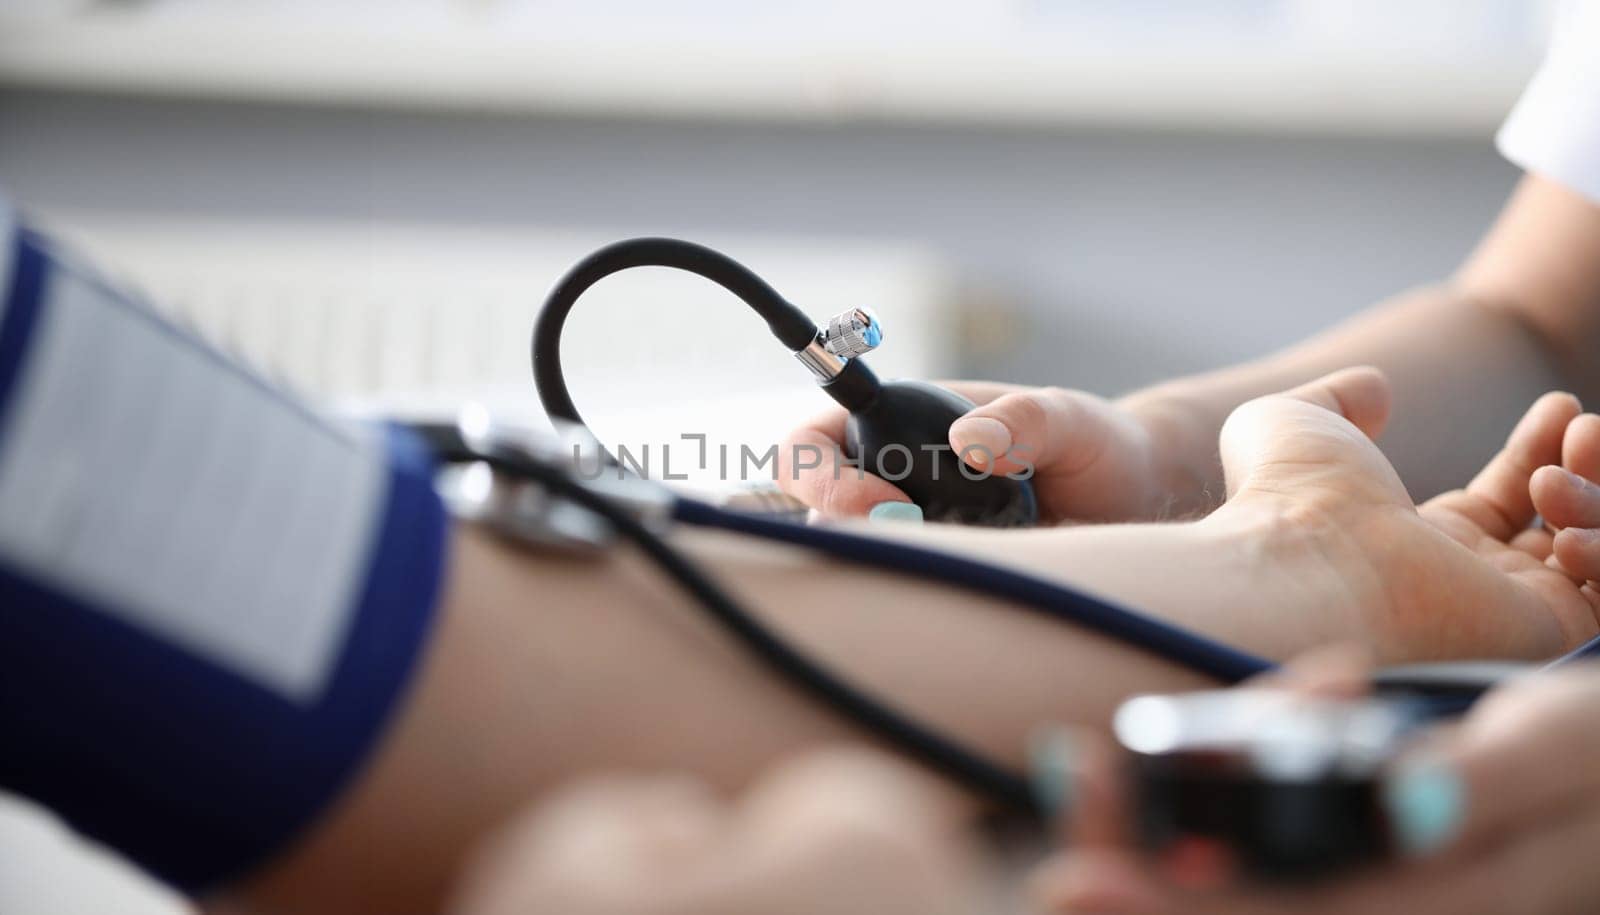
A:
<point x="1041" y="428"/>
<point x="1360" y="394"/>
<point x="1295" y="426"/>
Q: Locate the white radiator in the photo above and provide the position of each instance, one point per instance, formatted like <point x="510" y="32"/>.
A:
<point x="391" y="311"/>
<point x="414" y="320"/>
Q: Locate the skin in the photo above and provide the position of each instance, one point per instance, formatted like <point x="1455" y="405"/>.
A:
<point x="1524" y="845"/>
<point x="543" y="669"/>
<point x="842" y="831"/>
<point x="1527" y="756"/>
<point x="1521" y="316"/>
<point x="847" y="831"/>
<point x="512" y="703"/>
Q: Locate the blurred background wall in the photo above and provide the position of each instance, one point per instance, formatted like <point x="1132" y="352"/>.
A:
<point x="1119" y="191"/>
<point x="1095" y="257"/>
<point x="1055" y="191"/>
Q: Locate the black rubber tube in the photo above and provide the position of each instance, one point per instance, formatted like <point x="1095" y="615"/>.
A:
<point x="949" y="758"/>
<point x="789" y="324"/>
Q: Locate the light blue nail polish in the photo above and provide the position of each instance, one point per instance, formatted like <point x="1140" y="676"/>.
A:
<point x="1051" y="755"/>
<point x="896" y="511"/>
<point x="1426" y="803"/>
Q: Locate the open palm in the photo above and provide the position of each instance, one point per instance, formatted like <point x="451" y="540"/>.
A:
<point x="1463" y="575"/>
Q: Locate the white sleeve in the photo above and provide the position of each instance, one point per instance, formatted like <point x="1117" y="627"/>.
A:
<point x="1554" y="130"/>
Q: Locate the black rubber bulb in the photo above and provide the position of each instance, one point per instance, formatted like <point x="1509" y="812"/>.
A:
<point x="900" y="430"/>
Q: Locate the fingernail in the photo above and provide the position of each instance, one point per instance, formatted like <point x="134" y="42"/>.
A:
<point x="1426" y="803"/>
<point x="982" y="437"/>
<point x="896" y="511"/>
<point x="1052" y="756"/>
<point x="1585" y="534"/>
<point x="1573" y="480"/>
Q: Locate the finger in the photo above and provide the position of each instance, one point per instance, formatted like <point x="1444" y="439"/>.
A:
<point x="858" y="783"/>
<point x="1341" y="671"/>
<point x="1046" y="428"/>
<point x="1503" y="504"/>
<point x="850" y="831"/>
<point x="601" y="838"/>
<point x="1263" y="428"/>
<point x="811" y="468"/>
<point x="1546" y="870"/>
<point x="1077" y="780"/>
<point x="1569" y="500"/>
<point x="1570" y="506"/>
<point x="1550" y="873"/>
<point x="1467" y="791"/>
<point x="1564" y="499"/>
<point x="1360" y="394"/>
<point x="1580" y="449"/>
<point x="1542" y="726"/>
<point x="1577" y="549"/>
<point x="981" y="392"/>
<point x="635" y="820"/>
<point x="1474" y="787"/>
<point x="1536" y="542"/>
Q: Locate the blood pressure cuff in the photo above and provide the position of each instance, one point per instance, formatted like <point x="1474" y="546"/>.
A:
<point x="212" y="598"/>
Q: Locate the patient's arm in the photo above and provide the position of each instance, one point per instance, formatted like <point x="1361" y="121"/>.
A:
<point x="543" y="668"/>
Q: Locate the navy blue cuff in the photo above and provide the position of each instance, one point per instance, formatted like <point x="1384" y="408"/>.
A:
<point x="195" y="772"/>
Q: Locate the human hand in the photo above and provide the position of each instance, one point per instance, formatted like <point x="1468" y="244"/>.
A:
<point x="1091" y="459"/>
<point x="1463" y="575"/>
<point x="1498" y="814"/>
<point x="837" y="832"/>
<point x="1568" y="501"/>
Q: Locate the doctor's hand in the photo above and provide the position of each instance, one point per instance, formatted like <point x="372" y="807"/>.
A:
<point x="1092" y="459"/>
<point x="1498" y="814"/>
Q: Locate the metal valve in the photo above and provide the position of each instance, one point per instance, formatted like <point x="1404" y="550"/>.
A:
<point x="852" y="333"/>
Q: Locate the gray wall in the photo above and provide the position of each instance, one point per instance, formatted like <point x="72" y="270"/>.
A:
<point x="1131" y="255"/>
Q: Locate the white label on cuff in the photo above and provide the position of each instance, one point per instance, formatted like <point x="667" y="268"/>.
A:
<point x="141" y="473"/>
<point x="8" y="249"/>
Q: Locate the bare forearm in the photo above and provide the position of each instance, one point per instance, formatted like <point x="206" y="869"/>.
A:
<point x="542" y="670"/>
<point x="1462" y="371"/>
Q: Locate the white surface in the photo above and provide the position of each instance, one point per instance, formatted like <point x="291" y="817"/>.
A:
<point x="46" y="870"/>
<point x="1426" y="69"/>
<point x="1555" y="128"/>
<point x="135" y="471"/>
<point x="8" y="250"/>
